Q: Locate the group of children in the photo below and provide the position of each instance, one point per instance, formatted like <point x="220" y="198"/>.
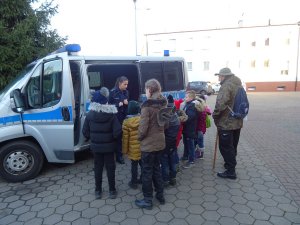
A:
<point x="151" y="134"/>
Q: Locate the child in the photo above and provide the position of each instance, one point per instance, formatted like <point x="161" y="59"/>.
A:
<point x="131" y="144"/>
<point x="189" y="128"/>
<point x="203" y="110"/>
<point x="168" y="157"/>
<point x="102" y="126"/>
<point x="152" y="138"/>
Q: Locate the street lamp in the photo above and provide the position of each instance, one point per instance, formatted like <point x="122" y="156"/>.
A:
<point x="135" y="27"/>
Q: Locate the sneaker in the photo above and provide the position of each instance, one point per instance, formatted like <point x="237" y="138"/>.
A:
<point x="113" y="194"/>
<point x="188" y="165"/>
<point x="132" y="185"/>
<point x="98" y="194"/>
<point x="166" y="184"/>
<point x="144" y="204"/>
<point x="201" y="156"/>
<point x="227" y="174"/>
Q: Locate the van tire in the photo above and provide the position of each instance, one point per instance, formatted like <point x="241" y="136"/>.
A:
<point x="20" y="161"/>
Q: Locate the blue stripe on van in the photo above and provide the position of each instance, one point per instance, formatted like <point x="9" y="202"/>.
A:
<point x="51" y="115"/>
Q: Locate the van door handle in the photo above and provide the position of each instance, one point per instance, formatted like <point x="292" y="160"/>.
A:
<point x="65" y="113"/>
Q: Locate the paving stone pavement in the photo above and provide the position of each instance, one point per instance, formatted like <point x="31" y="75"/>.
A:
<point x="266" y="192"/>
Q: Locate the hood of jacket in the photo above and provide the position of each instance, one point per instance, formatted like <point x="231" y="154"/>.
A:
<point x="234" y="80"/>
<point x="102" y="112"/>
<point x="199" y="104"/>
<point x="132" y="121"/>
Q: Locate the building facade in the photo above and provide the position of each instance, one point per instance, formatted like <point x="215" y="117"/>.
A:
<point x="266" y="57"/>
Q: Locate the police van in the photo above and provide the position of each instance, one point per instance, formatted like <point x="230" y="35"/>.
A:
<point x="42" y="111"/>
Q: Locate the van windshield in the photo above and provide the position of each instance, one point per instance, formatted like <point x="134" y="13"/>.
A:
<point x="19" y="77"/>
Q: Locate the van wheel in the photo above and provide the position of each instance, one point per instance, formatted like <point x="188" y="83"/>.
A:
<point x="20" y="161"/>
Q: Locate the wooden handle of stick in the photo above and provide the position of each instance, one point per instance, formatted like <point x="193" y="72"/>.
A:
<point x="215" y="153"/>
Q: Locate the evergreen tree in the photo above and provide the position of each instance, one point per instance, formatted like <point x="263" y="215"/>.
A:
<point x="24" y="35"/>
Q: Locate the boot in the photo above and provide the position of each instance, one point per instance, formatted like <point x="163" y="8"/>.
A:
<point x="160" y="198"/>
<point x="172" y="182"/>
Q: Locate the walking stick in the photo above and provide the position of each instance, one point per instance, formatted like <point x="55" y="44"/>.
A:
<point x="215" y="153"/>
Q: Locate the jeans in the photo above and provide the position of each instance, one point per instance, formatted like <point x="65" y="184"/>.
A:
<point x="200" y="140"/>
<point x="189" y="148"/>
<point x="134" y="170"/>
<point x="151" y="172"/>
<point x="168" y="163"/>
<point x="228" y="142"/>
<point x="99" y="160"/>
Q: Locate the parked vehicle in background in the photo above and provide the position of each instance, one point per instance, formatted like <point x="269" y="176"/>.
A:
<point x="200" y="87"/>
<point x="215" y="87"/>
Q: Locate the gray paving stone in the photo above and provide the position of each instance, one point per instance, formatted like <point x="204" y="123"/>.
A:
<point x="168" y="207"/>
<point x="211" y="215"/>
<point x="45" y="212"/>
<point x="16" y="204"/>
<point x="123" y="207"/>
<point x="260" y="222"/>
<point x="100" y="220"/>
<point x="194" y="219"/>
<point x="8" y="219"/>
<point x="288" y="208"/>
<point x="89" y="212"/>
<point x="241" y="208"/>
<point x="227" y="221"/>
<point x="71" y="216"/>
<point x="178" y="222"/>
<point x="210" y="205"/>
<point x="244" y="218"/>
<point x="53" y="219"/>
<point x="181" y="203"/>
<point x="147" y="220"/>
<point x="56" y="203"/>
<point x="63" y="209"/>
<point x="274" y="211"/>
<point x="20" y="210"/>
<point x="164" y="217"/>
<point x="255" y="205"/>
<point x="259" y="215"/>
<point x="34" y="221"/>
<point x="278" y="220"/>
<point x="293" y="217"/>
<point x="39" y="206"/>
<point x="107" y="209"/>
<point x="81" y="221"/>
<point x="129" y="221"/>
<point x="226" y="212"/>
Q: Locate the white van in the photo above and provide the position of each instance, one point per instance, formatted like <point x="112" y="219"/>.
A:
<point x="42" y="111"/>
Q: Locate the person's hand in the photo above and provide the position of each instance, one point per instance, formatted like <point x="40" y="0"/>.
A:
<point x="125" y="102"/>
<point x="120" y="104"/>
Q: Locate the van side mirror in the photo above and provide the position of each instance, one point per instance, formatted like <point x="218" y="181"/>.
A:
<point x="17" y="103"/>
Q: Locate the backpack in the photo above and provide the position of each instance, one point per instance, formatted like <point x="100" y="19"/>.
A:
<point x="241" y="105"/>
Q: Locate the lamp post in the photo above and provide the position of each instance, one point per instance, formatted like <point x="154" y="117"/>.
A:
<point x="297" y="60"/>
<point x="135" y="27"/>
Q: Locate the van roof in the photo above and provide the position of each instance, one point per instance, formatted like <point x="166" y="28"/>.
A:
<point x="129" y="58"/>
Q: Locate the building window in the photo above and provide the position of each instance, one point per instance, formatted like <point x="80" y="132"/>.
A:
<point x="266" y="63"/>
<point x="267" y="42"/>
<point x="284" y="72"/>
<point x="253" y="43"/>
<point x="189" y="66"/>
<point x="189" y="44"/>
<point x="172" y="45"/>
<point x="206" y="65"/>
<point x="253" y="63"/>
<point x="238" y="44"/>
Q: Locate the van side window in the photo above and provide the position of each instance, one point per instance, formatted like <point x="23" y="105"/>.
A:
<point x="51" y="84"/>
<point x="152" y="70"/>
<point x="173" y="77"/>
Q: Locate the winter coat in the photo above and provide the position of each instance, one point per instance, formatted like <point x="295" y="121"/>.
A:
<point x="130" y="142"/>
<point x="115" y="97"/>
<point x="151" y="131"/>
<point x="225" y="98"/>
<point x="103" y="128"/>
<point x="201" y="118"/>
<point x="189" y="127"/>
<point x="172" y="131"/>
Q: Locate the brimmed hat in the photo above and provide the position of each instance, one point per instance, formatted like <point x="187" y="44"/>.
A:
<point x="224" y="72"/>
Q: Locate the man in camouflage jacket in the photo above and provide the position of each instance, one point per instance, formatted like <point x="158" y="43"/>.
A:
<point x="228" y="127"/>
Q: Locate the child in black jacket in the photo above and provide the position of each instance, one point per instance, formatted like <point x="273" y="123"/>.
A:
<point x="102" y="126"/>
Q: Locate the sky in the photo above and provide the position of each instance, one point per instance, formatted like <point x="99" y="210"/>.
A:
<point x="107" y="27"/>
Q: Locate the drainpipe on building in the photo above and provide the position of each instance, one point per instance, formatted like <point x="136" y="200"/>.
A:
<point x="297" y="62"/>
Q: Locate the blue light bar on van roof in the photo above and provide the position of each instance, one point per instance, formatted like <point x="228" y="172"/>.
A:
<point x="69" y="48"/>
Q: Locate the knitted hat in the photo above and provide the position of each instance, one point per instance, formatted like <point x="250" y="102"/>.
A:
<point x="133" y="107"/>
<point x="101" y="96"/>
<point x="170" y="101"/>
